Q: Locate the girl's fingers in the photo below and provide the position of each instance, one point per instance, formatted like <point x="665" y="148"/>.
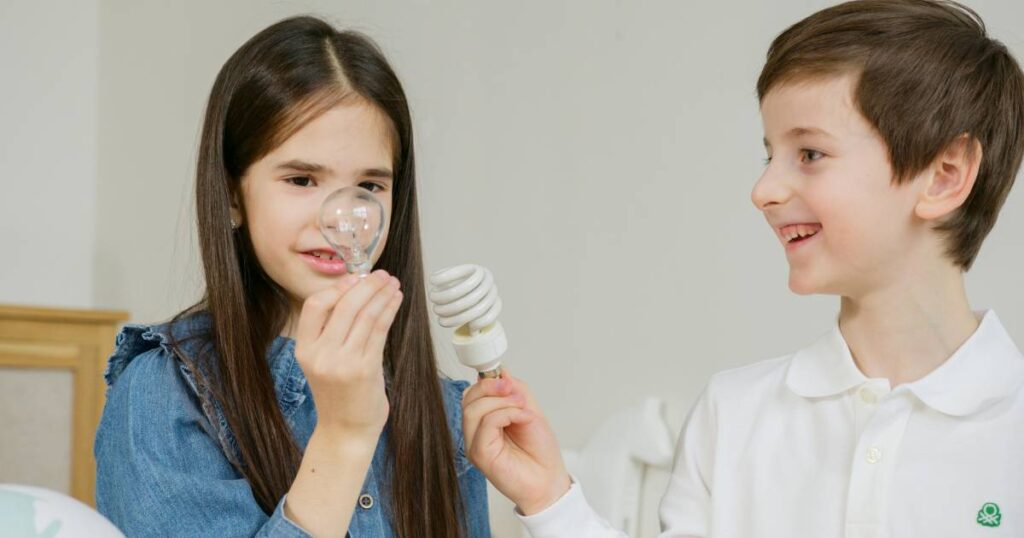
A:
<point x="379" y="334"/>
<point x="340" y="321"/>
<point x="315" y="310"/>
<point x="367" y="316"/>
<point x="472" y="414"/>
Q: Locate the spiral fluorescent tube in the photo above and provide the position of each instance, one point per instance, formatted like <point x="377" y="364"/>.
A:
<point x="465" y="297"/>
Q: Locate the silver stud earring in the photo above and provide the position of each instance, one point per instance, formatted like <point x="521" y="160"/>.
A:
<point x="234" y="225"/>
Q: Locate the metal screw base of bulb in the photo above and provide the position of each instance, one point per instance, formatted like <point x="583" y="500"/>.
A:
<point x="490" y="374"/>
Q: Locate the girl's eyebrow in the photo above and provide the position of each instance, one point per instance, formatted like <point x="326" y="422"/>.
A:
<point x="302" y="166"/>
<point x="299" y="165"/>
<point x="382" y="173"/>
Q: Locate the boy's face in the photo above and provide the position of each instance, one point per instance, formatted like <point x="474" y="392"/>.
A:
<point x="828" y="191"/>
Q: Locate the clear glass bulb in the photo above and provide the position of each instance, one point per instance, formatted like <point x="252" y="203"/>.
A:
<point x="352" y="221"/>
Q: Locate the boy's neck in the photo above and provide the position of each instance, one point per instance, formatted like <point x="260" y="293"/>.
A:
<point x="908" y="329"/>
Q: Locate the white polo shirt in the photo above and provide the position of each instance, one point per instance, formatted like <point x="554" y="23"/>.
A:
<point x="807" y="446"/>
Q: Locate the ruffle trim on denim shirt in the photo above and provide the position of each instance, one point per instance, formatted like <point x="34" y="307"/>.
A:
<point x="189" y="336"/>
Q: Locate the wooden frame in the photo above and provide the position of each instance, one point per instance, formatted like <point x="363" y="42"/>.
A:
<point x="80" y="341"/>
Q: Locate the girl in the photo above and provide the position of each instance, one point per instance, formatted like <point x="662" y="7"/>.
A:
<point x="292" y="400"/>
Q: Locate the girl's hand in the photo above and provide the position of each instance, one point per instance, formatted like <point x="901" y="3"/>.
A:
<point x="339" y="343"/>
<point x="510" y="441"/>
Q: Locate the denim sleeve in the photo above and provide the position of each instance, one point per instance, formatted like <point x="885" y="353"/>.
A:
<point x="472" y="484"/>
<point x="159" y="473"/>
<point x="473" y="487"/>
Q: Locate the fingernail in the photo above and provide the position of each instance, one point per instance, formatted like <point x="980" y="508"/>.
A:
<point x="382" y="275"/>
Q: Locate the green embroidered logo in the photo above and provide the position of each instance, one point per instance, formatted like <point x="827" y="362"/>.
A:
<point x="989" y="515"/>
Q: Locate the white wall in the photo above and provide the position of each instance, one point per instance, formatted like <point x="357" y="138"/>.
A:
<point x="613" y="145"/>
<point x="48" y="152"/>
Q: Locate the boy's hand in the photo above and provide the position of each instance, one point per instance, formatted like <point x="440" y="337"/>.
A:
<point x="510" y="441"/>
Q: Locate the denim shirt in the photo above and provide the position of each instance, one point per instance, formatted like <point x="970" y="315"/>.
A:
<point x="163" y="463"/>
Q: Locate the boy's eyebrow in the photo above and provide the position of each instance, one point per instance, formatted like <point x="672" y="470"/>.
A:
<point x="299" y="165"/>
<point x="797" y="132"/>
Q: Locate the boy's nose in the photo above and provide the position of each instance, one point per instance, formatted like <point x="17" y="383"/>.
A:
<point x="770" y="190"/>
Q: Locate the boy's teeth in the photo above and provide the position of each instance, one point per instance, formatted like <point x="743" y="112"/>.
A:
<point x="800" y="231"/>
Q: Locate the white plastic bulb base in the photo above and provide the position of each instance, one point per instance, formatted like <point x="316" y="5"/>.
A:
<point x="482" y="350"/>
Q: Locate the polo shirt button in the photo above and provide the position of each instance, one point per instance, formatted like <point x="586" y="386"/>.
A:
<point x="868" y="396"/>
<point x="874" y="455"/>
<point x="366" y="501"/>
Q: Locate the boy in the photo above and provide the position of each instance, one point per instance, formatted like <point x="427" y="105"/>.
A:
<point x="894" y="130"/>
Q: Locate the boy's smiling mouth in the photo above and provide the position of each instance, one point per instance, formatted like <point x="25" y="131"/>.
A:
<point x="794" y="234"/>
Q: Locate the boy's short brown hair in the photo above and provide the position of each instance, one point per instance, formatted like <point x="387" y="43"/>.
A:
<point x="928" y="73"/>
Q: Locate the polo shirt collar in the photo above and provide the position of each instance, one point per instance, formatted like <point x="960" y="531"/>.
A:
<point x="825" y="368"/>
<point x="985" y="369"/>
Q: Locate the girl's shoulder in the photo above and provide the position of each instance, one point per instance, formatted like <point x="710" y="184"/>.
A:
<point x="149" y="380"/>
<point x="452" y="389"/>
<point x="150" y="388"/>
<point x="158" y="342"/>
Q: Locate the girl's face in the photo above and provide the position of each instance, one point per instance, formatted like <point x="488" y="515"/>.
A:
<point x="350" y="144"/>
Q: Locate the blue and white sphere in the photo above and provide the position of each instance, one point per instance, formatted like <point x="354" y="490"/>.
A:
<point x="31" y="512"/>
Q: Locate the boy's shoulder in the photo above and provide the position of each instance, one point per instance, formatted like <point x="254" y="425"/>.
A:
<point x="821" y="368"/>
<point x="744" y="381"/>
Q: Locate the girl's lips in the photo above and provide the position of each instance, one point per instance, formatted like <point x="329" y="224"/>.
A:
<point x="332" y="266"/>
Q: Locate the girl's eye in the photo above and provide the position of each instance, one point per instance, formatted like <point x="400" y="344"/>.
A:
<point x="371" y="186"/>
<point x="300" y="181"/>
<point x="810" y="155"/>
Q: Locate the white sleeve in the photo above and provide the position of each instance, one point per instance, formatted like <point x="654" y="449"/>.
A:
<point x="569" y="516"/>
<point x="686" y="508"/>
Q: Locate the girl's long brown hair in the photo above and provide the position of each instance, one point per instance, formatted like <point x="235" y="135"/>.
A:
<point x="275" y="83"/>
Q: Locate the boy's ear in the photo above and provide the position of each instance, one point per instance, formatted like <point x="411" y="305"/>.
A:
<point x="950" y="178"/>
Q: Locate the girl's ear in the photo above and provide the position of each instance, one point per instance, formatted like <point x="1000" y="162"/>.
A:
<point x="235" y="212"/>
<point x="951" y="178"/>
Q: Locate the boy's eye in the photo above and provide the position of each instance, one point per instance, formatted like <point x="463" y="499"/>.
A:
<point x="300" y="181"/>
<point x="810" y="155"/>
